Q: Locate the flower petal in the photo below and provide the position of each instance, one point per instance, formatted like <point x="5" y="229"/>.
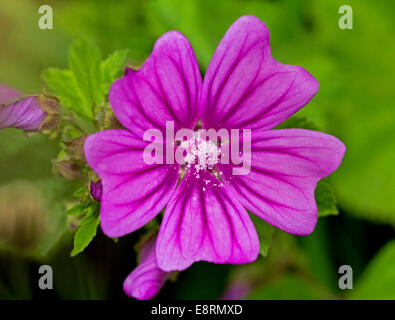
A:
<point x="166" y="88"/>
<point x="244" y="87"/>
<point x="204" y="221"/>
<point x="285" y="168"/>
<point x="25" y="114"/>
<point x="147" y="279"/>
<point x="133" y="191"/>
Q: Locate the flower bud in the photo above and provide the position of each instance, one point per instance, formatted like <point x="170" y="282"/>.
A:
<point x="96" y="190"/>
<point x="24" y="113"/>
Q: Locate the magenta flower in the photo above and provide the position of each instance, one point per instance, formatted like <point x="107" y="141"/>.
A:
<point x="25" y="113"/>
<point x="147" y="279"/>
<point x="206" y="214"/>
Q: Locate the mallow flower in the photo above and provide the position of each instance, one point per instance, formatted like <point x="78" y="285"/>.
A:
<point x="206" y="200"/>
<point x="25" y="113"/>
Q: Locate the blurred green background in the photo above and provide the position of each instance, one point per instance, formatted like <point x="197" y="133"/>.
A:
<point x="355" y="102"/>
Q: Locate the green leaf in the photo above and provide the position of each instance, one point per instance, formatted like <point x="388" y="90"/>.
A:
<point x="63" y="84"/>
<point x="265" y="232"/>
<point x="326" y="200"/>
<point x="79" y="192"/>
<point x="84" y="61"/>
<point x="77" y="209"/>
<point x="87" y="82"/>
<point x="378" y="279"/>
<point x="298" y="122"/>
<point x="111" y="68"/>
<point x="87" y="229"/>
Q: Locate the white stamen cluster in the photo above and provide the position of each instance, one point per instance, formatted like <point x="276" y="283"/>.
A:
<point x="201" y="154"/>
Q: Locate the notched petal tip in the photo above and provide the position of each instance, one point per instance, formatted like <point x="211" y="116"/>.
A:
<point x="251" y="23"/>
<point x="245" y="87"/>
<point x="165" y="88"/>
<point x="308" y="83"/>
<point x="286" y="166"/>
<point x="170" y="38"/>
<point x="338" y="153"/>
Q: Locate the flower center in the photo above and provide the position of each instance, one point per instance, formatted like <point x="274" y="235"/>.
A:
<point x="200" y="153"/>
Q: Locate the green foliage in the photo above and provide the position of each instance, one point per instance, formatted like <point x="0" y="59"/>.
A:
<point x="326" y="200"/>
<point x="111" y="68"/>
<point x="77" y="209"/>
<point x="63" y="84"/>
<point x="298" y="122"/>
<point x="265" y="232"/>
<point x="81" y="191"/>
<point x="88" y="224"/>
<point x="378" y="279"/>
<point x="87" y="229"/>
<point x="85" y="85"/>
<point x="84" y="62"/>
